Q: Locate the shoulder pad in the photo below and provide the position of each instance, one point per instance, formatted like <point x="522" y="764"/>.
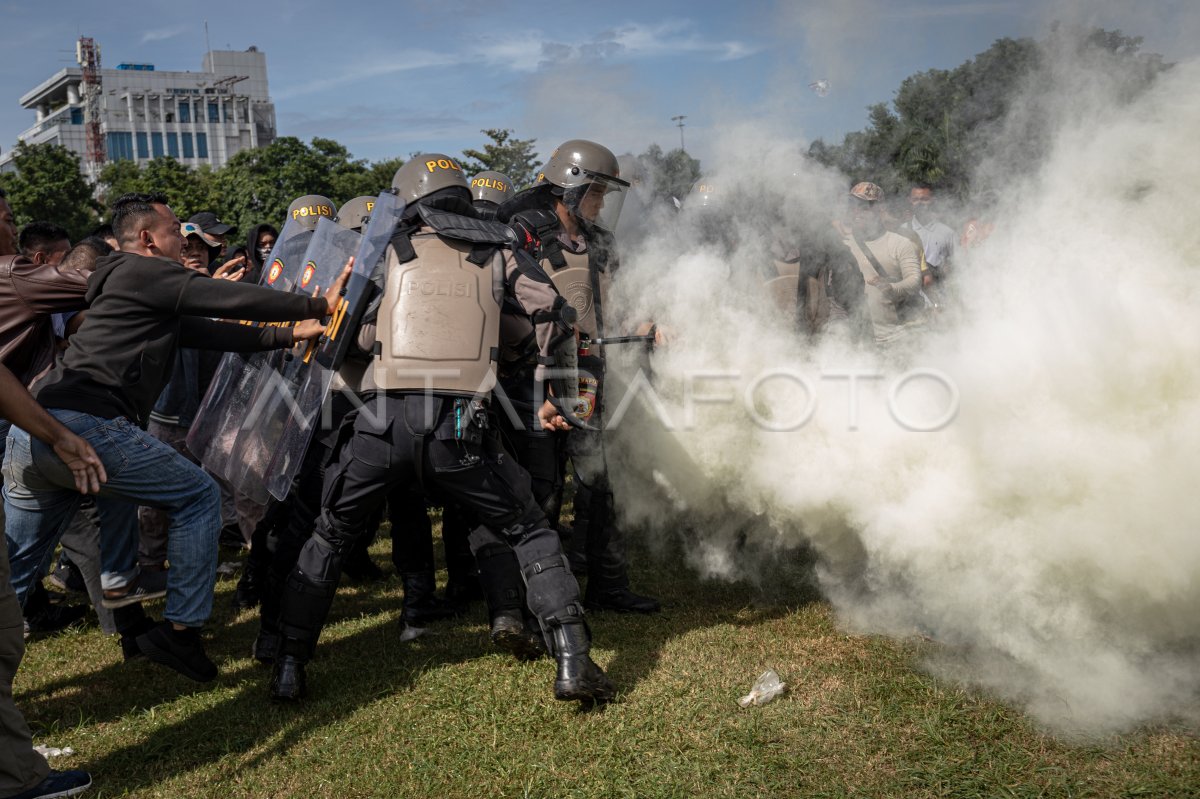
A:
<point x="468" y="229"/>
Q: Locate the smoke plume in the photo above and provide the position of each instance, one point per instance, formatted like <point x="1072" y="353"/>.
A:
<point x="1020" y="483"/>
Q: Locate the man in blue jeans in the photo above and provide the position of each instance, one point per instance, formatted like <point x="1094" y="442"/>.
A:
<point x="143" y="306"/>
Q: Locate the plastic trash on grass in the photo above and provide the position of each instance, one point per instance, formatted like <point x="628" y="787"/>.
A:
<point x="765" y="688"/>
<point x="54" y="751"/>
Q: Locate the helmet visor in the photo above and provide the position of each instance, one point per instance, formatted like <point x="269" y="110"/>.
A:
<point x="598" y="202"/>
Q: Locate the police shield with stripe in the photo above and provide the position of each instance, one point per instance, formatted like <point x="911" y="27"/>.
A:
<point x="220" y="421"/>
<point x="289" y="400"/>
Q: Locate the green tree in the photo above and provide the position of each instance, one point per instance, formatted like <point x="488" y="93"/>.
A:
<point x="671" y="174"/>
<point x="370" y="180"/>
<point x="49" y="185"/>
<point x="506" y="153"/>
<point x="257" y="185"/>
<point x="188" y="190"/>
<point x="943" y="123"/>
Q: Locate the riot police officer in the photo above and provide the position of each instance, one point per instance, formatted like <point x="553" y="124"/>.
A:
<point x="446" y="273"/>
<point x="581" y="186"/>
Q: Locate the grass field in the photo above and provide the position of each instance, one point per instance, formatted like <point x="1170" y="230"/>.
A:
<point x="447" y="716"/>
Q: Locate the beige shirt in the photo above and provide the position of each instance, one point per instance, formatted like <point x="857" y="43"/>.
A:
<point x="901" y="261"/>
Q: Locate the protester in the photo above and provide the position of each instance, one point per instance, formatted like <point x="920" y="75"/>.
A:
<point x="43" y="242"/>
<point x="890" y="265"/>
<point x="177" y="405"/>
<point x="24" y="773"/>
<point x="143" y="305"/>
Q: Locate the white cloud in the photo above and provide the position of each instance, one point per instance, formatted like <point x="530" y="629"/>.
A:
<point x="368" y="68"/>
<point x="162" y="34"/>
<point x="627" y="42"/>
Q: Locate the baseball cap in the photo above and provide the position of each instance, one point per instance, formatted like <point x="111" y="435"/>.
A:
<point x="211" y="224"/>
<point x="867" y="192"/>
<point x="193" y="229"/>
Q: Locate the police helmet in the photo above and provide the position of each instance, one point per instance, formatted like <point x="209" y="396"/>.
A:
<point x="426" y="173"/>
<point x="590" y="179"/>
<point x="356" y="213"/>
<point x="492" y="187"/>
<point x="308" y="209"/>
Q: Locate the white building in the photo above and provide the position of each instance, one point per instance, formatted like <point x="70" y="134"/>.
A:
<point x="198" y="118"/>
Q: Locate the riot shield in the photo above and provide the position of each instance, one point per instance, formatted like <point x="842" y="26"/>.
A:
<point x="340" y="333"/>
<point x="213" y="434"/>
<point x="289" y="393"/>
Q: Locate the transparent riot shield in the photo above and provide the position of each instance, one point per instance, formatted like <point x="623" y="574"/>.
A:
<point x="385" y="216"/>
<point x="289" y="393"/>
<point x="213" y="434"/>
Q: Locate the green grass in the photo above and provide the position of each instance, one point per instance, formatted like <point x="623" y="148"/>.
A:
<point x="447" y="716"/>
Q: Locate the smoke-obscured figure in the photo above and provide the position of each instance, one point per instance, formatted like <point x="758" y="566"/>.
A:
<point x="890" y="266"/>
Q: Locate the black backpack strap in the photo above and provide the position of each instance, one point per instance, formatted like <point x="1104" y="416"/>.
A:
<point x="866" y="251"/>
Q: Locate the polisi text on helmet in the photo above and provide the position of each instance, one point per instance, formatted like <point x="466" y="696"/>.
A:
<point x="489" y="183"/>
<point x="311" y="210"/>
<point x="442" y="163"/>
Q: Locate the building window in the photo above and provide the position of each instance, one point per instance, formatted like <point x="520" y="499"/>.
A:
<point x="120" y="146"/>
<point x="214" y="112"/>
<point x="188" y="151"/>
<point x="156" y="145"/>
<point x="76" y="116"/>
<point x="185" y="112"/>
<point x="173" y="145"/>
<point x="143" y="146"/>
<point x="202" y="145"/>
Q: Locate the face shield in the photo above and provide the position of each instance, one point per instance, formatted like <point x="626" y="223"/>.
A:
<point x="598" y="202"/>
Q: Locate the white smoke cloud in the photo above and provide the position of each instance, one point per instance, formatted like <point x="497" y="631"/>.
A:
<point x="1047" y="535"/>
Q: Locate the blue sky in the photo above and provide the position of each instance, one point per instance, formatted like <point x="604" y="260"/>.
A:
<point x="393" y="78"/>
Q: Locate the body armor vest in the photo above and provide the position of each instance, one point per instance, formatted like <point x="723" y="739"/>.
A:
<point x="576" y="284"/>
<point x="439" y="320"/>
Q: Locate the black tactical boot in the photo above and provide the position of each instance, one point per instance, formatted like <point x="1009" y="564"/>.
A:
<point x="248" y="592"/>
<point x="510" y="633"/>
<point x="578" y="678"/>
<point x="288" y="683"/>
<point x="421" y="604"/>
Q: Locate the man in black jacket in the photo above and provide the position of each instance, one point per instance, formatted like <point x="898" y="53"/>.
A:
<point x="143" y="306"/>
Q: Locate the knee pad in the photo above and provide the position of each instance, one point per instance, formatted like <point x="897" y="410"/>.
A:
<point x="550" y="587"/>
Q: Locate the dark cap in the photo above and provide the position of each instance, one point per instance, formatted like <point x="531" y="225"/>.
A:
<point x="208" y="221"/>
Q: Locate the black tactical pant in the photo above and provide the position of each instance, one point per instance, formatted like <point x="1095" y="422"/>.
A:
<point x="541" y="454"/>
<point x="401" y="440"/>
<point x="288" y="523"/>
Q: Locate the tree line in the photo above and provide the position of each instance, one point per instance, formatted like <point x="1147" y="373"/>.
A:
<point x="943" y="123"/>
<point x="257" y="185"/>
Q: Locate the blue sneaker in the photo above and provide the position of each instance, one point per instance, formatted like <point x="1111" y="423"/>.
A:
<point x="58" y="783"/>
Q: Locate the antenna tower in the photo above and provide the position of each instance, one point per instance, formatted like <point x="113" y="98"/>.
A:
<point x="87" y="53"/>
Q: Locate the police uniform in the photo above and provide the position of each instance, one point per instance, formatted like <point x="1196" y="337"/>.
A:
<point x="447" y="274"/>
